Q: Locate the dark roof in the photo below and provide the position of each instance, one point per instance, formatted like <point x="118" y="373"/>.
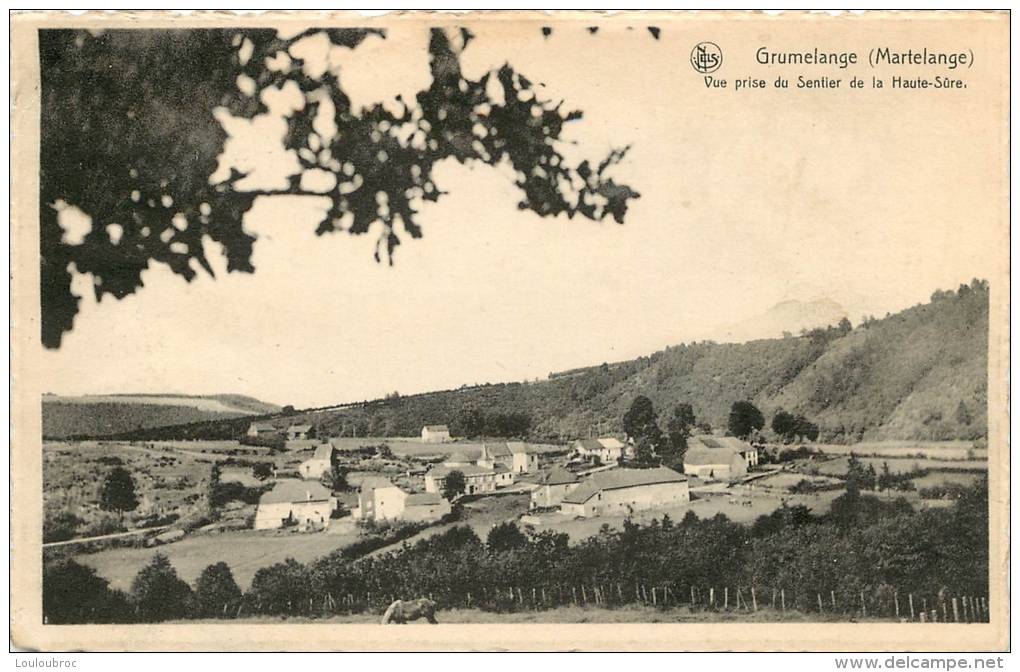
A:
<point x="374" y="482"/>
<point x="591" y="444"/>
<point x="288" y="491"/>
<point x="423" y="499"/>
<point x="615" y="479"/>
<point x="703" y="450"/>
<point x="559" y="476"/>
<point x="500" y="449"/>
<point x="323" y="452"/>
<point x="299" y="428"/>
<point x="517" y="447"/>
<point x="467" y="470"/>
<point x="263" y="427"/>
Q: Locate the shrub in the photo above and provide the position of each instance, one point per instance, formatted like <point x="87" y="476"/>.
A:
<point x="284" y="588"/>
<point x="216" y="594"/>
<point x="74" y="593"/>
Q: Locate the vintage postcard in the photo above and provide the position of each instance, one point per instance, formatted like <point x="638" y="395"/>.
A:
<point x="510" y="331"/>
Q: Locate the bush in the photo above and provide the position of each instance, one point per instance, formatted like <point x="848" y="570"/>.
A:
<point x="61" y="526"/>
<point x="284" y="588"/>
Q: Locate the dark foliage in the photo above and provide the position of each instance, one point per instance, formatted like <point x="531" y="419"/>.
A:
<point x="145" y="142"/>
<point x="118" y="492"/>
<point x="744" y="419"/>
<point x="158" y="594"/>
<point x="216" y="594"/>
<point x="73" y="593"/>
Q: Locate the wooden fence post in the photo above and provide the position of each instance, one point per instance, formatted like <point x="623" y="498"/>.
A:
<point x="644" y="595"/>
<point x="911" y="598"/>
<point x="584" y="594"/>
<point x="573" y="590"/>
<point x="819" y="603"/>
<point x="773" y="598"/>
<point x="832" y="594"/>
<point x="956" y="612"/>
<point x="754" y="599"/>
<point x="711" y="596"/>
<point x="726" y="597"/>
<point x="692" y="596"/>
<point x="896" y="600"/>
<point x="782" y="596"/>
<point x="864" y="607"/>
<point x="923" y="617"/>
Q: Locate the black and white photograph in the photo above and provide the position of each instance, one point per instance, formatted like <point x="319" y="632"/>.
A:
<point x="643" y="331"/>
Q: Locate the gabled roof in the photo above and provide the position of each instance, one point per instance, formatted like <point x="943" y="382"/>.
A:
<point x="294" y="491"/>
<point x="423" y="499"/>
<point x="467" y="470"/>
<point x="517" y="447"/>
<point x="612" y="443"/>
<point x="375" y="483"/>
<point x="460" y="458"/>
<point x="706" y="450"/>
<point x="615" y="479"/>
<point x="559" y="476"/>
<point x="323" y="452"/>
<point x="263" y="427"/>
<point x="299" y="428"/>
<point x="436" y="428"/>
<point x="498" y="449"/>
<point x="591" y="445"/>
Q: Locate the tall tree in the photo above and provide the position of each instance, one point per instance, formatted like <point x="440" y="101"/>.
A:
<point x="744" y="419"/>
<point x="454" y="484"/>
<point x="158" y="593"/>
<point x="641" y="422"/>
<point x="118" y="492"/>
<point x="132" y="133"/>
<point x="215" y="592"/>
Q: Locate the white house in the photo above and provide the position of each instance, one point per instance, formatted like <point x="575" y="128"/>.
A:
<point x="719" y="458"/>
<point x="606" y="450"/>
<point x="622" y="491"/>
<point x="379" y="499"/>
<point x="435" y="434"/>
<point x="319" y="463"/>
<point x="553" y="487"/>
<point x="306" y="505"/>
<point x="514" y="455"/>
<point x="476" y="479"/>
<point x="257" y="429"/>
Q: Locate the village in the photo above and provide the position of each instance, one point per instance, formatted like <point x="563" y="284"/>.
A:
<point x="587" y="480"/>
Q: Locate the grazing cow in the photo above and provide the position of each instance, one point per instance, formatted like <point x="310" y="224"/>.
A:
<point x="411" y="610"/>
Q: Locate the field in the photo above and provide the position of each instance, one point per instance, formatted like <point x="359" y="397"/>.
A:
<point x="245" y="551"/>
<point x="936" y="450"/>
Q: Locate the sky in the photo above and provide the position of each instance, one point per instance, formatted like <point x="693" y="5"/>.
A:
<point x="868" y="199"/>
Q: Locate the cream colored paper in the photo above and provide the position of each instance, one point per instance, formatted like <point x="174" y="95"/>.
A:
<point x="873" y="197"/>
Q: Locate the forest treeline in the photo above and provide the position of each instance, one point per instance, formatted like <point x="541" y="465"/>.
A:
<point x="920" y="374"/>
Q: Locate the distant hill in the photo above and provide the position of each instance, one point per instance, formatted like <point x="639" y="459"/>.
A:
<point x="101" y="415"/>
<point x="787" y="317"/>
<point x="918" y="375"/>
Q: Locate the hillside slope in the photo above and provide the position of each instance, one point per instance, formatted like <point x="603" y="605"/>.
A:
<point x="99" y="415"/>
<point x="918" y="375"/>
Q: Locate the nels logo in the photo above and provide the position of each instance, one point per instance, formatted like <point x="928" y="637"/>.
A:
<point x="706" y="57"/>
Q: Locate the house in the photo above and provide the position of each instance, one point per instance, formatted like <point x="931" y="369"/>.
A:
<point x="476" y="479"/>
<point x="718" y="458"/>
<point x="425" y="507"/>
<point x="459" y="459"/>
<point x="435" y="434"/>
<point x="257" y="429"/>
<point x="299" y="432"/>
<point x="320" y="463"/>
<point x="513" y="455"/>
<point x="606" y="450"/>
<point x="379" y="499"/>
<point x="553" y="487"/>
<point x="622" y="491"/>
<point x="302" y="504"/>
